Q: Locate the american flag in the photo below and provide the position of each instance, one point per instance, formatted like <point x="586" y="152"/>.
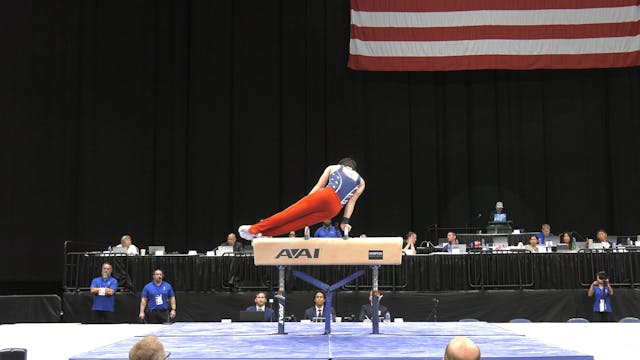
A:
<point x="424" y="35"/>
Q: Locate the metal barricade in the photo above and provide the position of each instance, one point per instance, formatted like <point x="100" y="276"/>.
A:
<point x="488" y="269"/>
<point x="391" y="277"/>
<point x="621" y="265"/>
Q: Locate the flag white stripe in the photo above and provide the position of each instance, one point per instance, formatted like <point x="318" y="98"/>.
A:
<point x="496" y="47"/>
<point x="496" y="17"/>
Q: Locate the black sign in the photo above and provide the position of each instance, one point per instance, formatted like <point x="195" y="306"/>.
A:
<point x="375" y="254"/>
<point x="298" y="253"/>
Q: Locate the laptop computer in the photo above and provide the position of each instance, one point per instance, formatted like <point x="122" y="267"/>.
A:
<point x="251" y="316"/>
<point x="500" y="241"/>
<point x="563" y="248"/>
<point x="596" y="246"/>
<point x="459" y="248"/>
<point x="555" y="240"/>
<point x="221" y="250"/>
<point x="119" y="250"/>
<point x="581" y="245"/>
<point x="502" y="217"/>
<point x="626" y="240"/>
<point x="154" y="250"/>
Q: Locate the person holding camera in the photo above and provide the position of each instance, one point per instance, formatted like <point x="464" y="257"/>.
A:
<point x="602" y="291"/>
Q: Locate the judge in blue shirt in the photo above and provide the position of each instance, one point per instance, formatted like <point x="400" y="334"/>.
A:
<point x="158" y="301"/>
<point x="452" y="239"/>
<point x="327" y="231"/>
<point x="545" y="232"/>
<point x="104" y="289"/>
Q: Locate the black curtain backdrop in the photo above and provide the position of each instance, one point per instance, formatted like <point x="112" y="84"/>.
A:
<point x="178" y="121"/>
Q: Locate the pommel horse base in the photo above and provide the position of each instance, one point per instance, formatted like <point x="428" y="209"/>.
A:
<point x="371" y="251"/>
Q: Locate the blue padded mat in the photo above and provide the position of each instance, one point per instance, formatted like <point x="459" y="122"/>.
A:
<point x="356" y="329"/>
<point x="347" y="341"/>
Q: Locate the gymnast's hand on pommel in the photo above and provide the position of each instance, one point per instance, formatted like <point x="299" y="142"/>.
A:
<point x="348" y="209"/>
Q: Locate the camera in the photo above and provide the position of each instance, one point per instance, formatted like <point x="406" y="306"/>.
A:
<point x="603" y="276"/>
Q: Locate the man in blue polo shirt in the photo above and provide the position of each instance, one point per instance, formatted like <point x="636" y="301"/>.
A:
<point x="327" y="231"/>
<point x="158" y="302"/>
<point x="103" y="289"/>
<point x="545" y="232"/>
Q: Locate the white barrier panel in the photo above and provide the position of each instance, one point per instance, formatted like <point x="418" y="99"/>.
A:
<point x="328" y="251"/>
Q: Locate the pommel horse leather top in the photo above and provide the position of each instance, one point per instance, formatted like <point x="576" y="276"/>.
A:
<point x="328" y="251"/>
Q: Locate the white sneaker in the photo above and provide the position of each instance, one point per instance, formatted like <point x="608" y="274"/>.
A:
<point x="244" y="232"/>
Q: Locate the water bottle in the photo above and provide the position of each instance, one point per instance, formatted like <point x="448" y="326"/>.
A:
<point x="629" y="241"/>
<point x="483" y="244"/>
<point x="387" y="317"/>
<point x="548" y="246"/>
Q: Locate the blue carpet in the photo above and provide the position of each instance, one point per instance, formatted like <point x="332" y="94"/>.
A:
<point x="347" y="341"/>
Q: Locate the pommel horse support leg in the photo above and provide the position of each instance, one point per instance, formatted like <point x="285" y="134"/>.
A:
<point x="371" y="251"/>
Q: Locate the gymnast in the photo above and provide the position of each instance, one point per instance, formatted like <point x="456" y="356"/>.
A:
<point x="340" y="185"/>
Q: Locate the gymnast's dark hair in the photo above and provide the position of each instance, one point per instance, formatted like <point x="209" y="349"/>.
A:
<point x="348" y="162"/>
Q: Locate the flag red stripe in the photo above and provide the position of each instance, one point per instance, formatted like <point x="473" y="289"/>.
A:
<point x="496" y="32"/>
<point x="462" y="5"/>
<point x="478" y="62"/>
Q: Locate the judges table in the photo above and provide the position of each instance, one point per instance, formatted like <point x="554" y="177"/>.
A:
<point x="512" y="239"/>
<point x="432" y="272"/>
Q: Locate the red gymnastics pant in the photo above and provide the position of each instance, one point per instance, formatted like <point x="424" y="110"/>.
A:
<point x="311" y="209"/>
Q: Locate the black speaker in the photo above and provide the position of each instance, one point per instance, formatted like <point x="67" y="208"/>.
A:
<point x="13" y="354"/>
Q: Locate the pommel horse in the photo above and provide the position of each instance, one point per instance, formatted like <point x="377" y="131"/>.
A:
<point x="370" y="251"/>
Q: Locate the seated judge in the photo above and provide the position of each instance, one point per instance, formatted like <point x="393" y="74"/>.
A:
<point x="499" y="215"/>
<point x="261" y="305"/>
<point x="533" y="244"/>
<point x="545" y="232"/>
<point x="410" y="247"/>
<point x="565" y="238"/>
<point x="233" y="242"/>
<point x="366" y="310"/>
<point x="327" y="230"/>
<point x="317" y="311"/>
<point x="235" y="268"/>
<point x="452" y="239"/>
<point x="601" y="237"/>
<point x="125" y="242"/>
